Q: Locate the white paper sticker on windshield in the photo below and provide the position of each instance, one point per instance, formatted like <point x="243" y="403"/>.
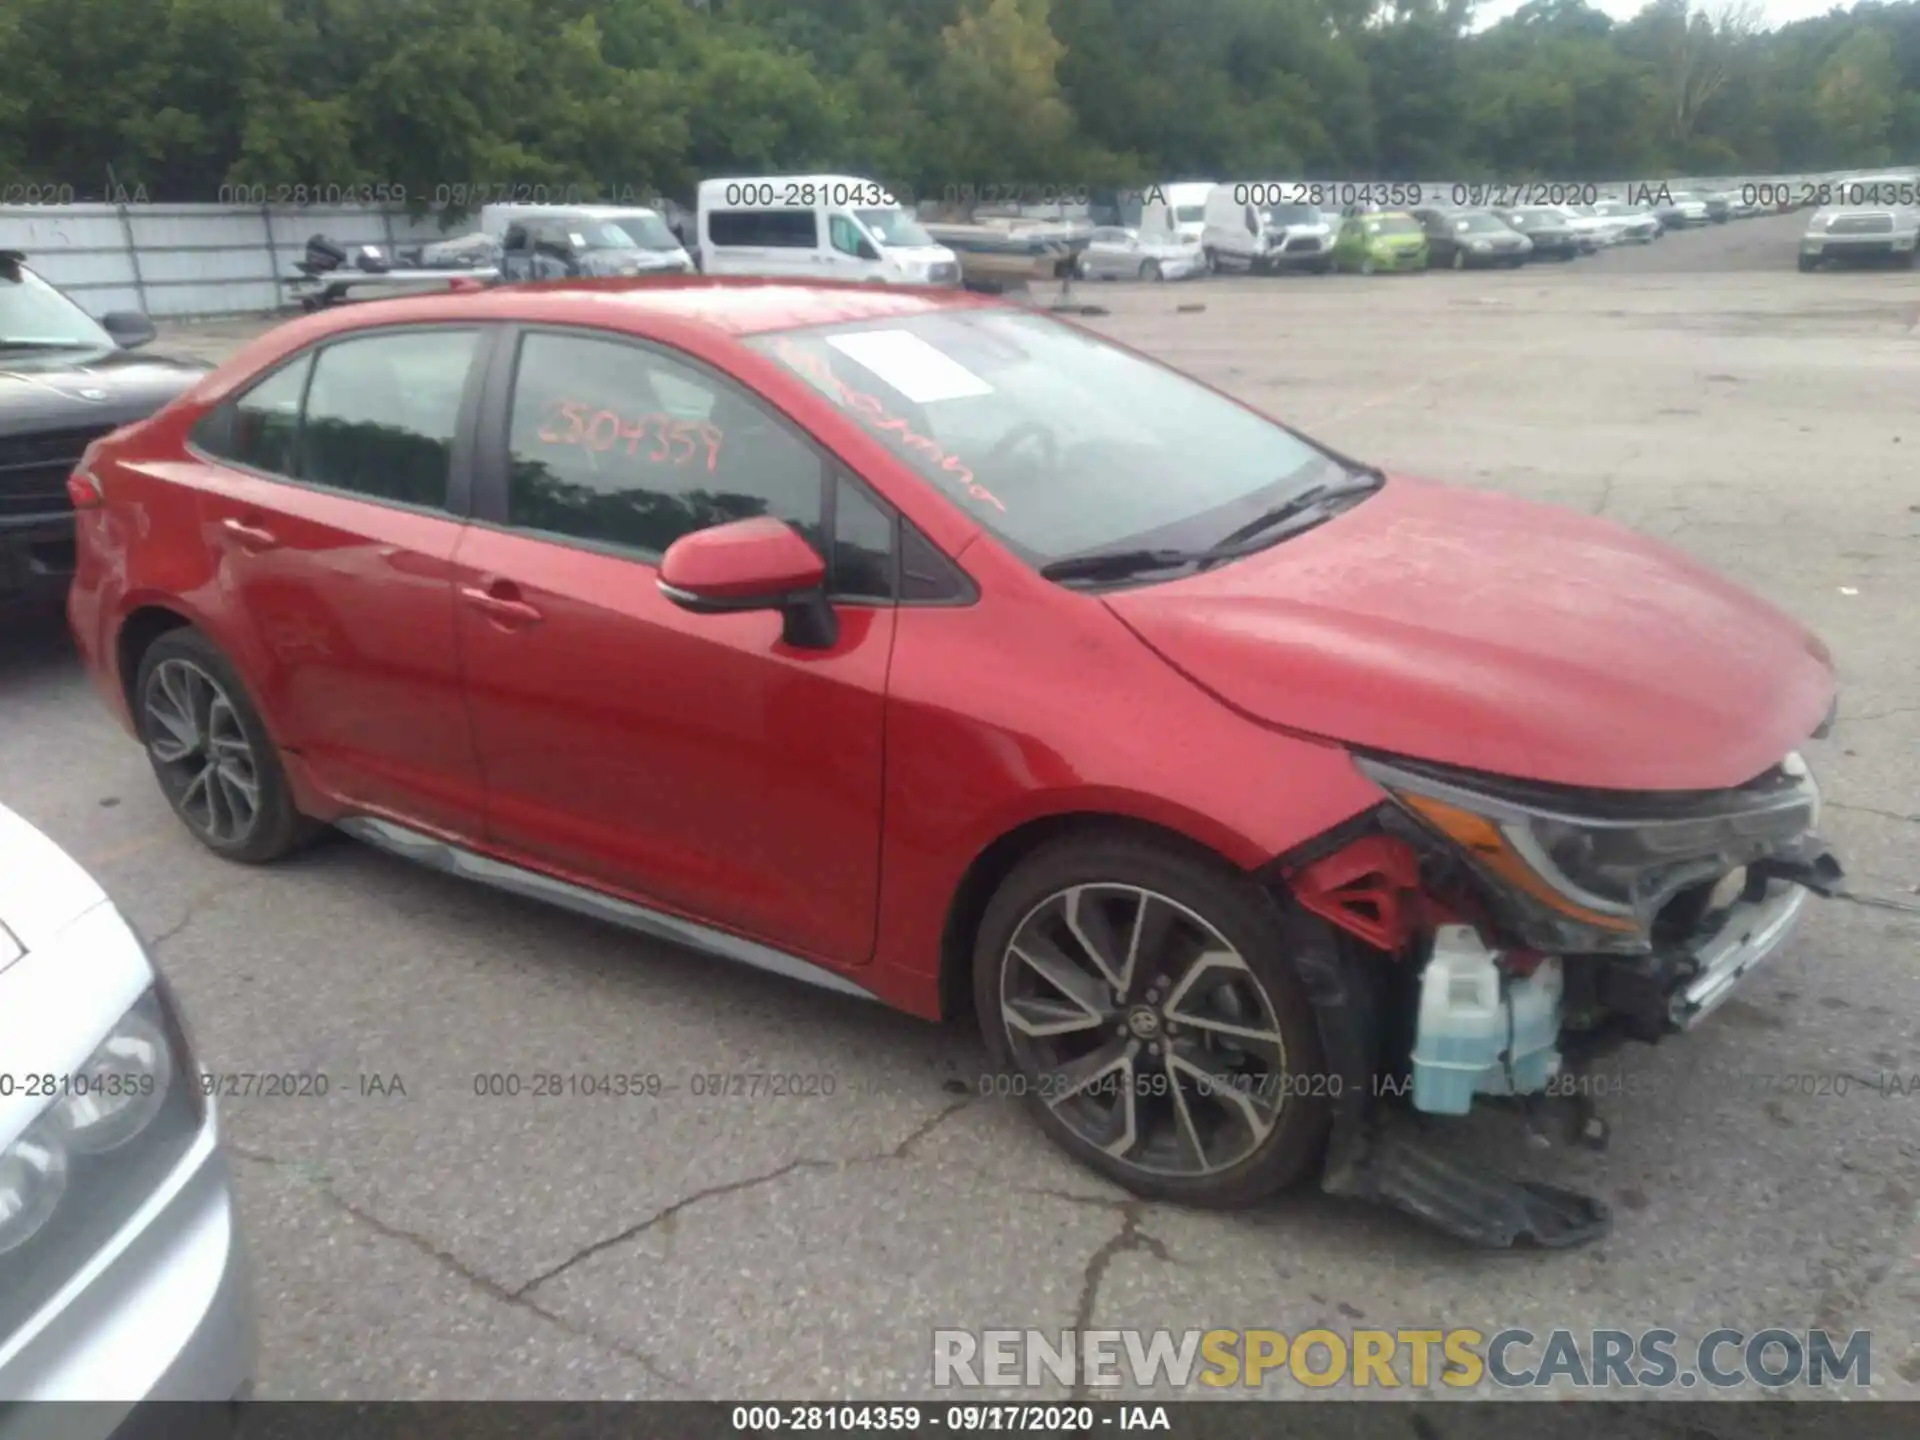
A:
<point x="578" y="240"/>
<point x="910" y="365"/>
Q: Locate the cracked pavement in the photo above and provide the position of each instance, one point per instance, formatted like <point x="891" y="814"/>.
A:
<point x="418" y="1239"/>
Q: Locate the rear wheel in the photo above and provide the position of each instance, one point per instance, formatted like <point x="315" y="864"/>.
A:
<point x="1808" y="264"/>
<point x="1150" y="270"/>
<point x="211" y="753"/>
<point x="1142" y="1002"/>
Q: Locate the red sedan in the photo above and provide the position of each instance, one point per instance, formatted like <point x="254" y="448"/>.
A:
<point x="941" y="652"/>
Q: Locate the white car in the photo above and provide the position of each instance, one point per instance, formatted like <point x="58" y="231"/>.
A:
<point x="122" y="1276"/>
<point x="1589" y="224"/>
<point x="1115" y="253"/>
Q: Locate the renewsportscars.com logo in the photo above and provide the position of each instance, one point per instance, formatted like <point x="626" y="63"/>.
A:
<point x="1389" y="1359"/>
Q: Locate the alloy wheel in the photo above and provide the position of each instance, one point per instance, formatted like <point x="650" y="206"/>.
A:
<point x="1143" y="1030"/>
<point x="202" y="753"/>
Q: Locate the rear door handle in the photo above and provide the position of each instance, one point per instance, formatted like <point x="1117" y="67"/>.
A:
<point x="501" y="609"/>
<point x="251" y="537"/>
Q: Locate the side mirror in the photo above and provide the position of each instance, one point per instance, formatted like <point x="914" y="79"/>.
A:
<point x="756" y="564"/>
<point x="129" y="328"/>
<point x="867" y="252"/>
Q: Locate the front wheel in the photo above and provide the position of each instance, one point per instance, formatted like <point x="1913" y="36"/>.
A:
<point x="1150" y="270"/>
<point x="1459" y="259"/>
<point x="1808" y="265"/>
<point x="1143" y="1004"/>
<point x="211" y="753"/>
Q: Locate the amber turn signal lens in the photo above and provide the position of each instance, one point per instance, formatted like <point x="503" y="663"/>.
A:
<point x="1488" y="844"/>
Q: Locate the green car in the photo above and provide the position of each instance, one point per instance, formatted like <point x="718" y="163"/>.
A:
<point x="1387" y="240"/>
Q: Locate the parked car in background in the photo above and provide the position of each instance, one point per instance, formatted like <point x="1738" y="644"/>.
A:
<point x="561" y="244"/>
<point x="1552" y="236"/>
<point x="1856" y="235"/>
<point x="122" y="1273"/>
<point x="1115" y="253"/>
<point x="740" y="613"/>
<point x="1681" y="209"/>
<point x="1390" y="240"/>
<point x="1601" y="231"/>
<point x="1719" y="206"/>
<point x="1235" y="235"/>
<point x="652" y="244"/>
<point x="1638" y="224"/>
<point x="819" y="227"/>
<point x="1299" y="237"/>
<point x="66" y="379"/>
<point x="995" y="258"/>
<point x="1178" y="209"/>
<point x="1471" y="239"/>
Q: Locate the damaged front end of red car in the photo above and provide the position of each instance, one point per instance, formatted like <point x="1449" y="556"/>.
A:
<point x="1492" y="938"/>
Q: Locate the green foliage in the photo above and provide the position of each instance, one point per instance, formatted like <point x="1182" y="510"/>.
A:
<point x="634" y="97"/>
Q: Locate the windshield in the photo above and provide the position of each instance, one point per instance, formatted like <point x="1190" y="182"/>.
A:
<point x="33" y="313"/>
<point x="1479" y="225"/>
<point x="1294" y="215"/>
<point x="1394" y="225"/>
<point x="894" y="227"/>
<point x="1191" y="214"/>
<point x="1056" y="441"/>
<point x="647" y="231"/>
<point x="600" y="235"/>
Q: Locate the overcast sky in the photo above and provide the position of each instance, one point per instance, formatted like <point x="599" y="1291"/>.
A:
<point x="1773" y="13"/>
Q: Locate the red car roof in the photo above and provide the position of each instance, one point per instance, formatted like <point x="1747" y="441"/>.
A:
<point x="727" y="306"/>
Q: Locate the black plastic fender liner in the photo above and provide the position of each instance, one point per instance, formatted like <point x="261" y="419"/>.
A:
<point x="1374" y="1152"/>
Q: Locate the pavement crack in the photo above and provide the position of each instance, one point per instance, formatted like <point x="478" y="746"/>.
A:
<point x="448" y="1261"/>
<point x="1130" y="1238"/>
<point x="712" y="1192"/>
<point x="904" y="1149"/>
<point x="187" y="917"/>
<point x="901" y="1151"/>
<point x="1871" y="810"/>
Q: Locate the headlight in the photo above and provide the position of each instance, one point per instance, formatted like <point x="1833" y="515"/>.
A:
<point x="33" y="1177"/>
<point x="1588" y="871"/>
<point x="117" y="1127"/>
<point x="119" y="1091"/>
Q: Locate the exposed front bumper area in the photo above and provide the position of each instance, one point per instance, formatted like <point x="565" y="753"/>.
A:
<point x="1753" y="932"/>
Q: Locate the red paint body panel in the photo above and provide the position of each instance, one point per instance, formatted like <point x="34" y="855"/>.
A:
<point x="1499" y="635"/>
<point x="546" y="704"/>
<point x="692" y="760"/>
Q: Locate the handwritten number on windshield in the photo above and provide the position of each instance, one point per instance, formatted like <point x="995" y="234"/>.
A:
<point x="674" y="442"/>
<point x="872" y="411"/>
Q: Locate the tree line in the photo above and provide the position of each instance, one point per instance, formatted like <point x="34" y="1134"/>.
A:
<point x="175" y="99"/>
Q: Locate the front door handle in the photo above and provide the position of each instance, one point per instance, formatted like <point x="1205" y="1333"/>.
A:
<point x="504" y="610"/>
<point x="252" y="538"/>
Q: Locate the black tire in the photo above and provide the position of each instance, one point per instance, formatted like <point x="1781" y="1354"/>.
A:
<point x="1211" y="256"/>
<point x="1808" y="265"/>
<point x="1150" y="270"/>
<point x="276" y="828"/>
<point x="1237" y="910"/>
<point x="1459" y="258"/>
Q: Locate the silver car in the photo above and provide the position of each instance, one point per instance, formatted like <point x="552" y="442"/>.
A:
<point x="1852" y="234"/>
<point x="122" y="1277"/>
<point x="1114" y="253"/>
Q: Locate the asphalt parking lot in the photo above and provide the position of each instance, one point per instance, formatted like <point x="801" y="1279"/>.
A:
<point x="415" y="1239"/>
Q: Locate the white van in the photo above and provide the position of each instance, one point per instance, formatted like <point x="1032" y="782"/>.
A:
<point x="1264" y="226"/>
<point x="1179" y="209"/>
<point x="658" y="249"/>
<point x="827" y="227"/>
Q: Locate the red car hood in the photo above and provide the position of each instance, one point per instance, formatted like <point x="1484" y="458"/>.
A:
<point x="1495" y="634"/>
